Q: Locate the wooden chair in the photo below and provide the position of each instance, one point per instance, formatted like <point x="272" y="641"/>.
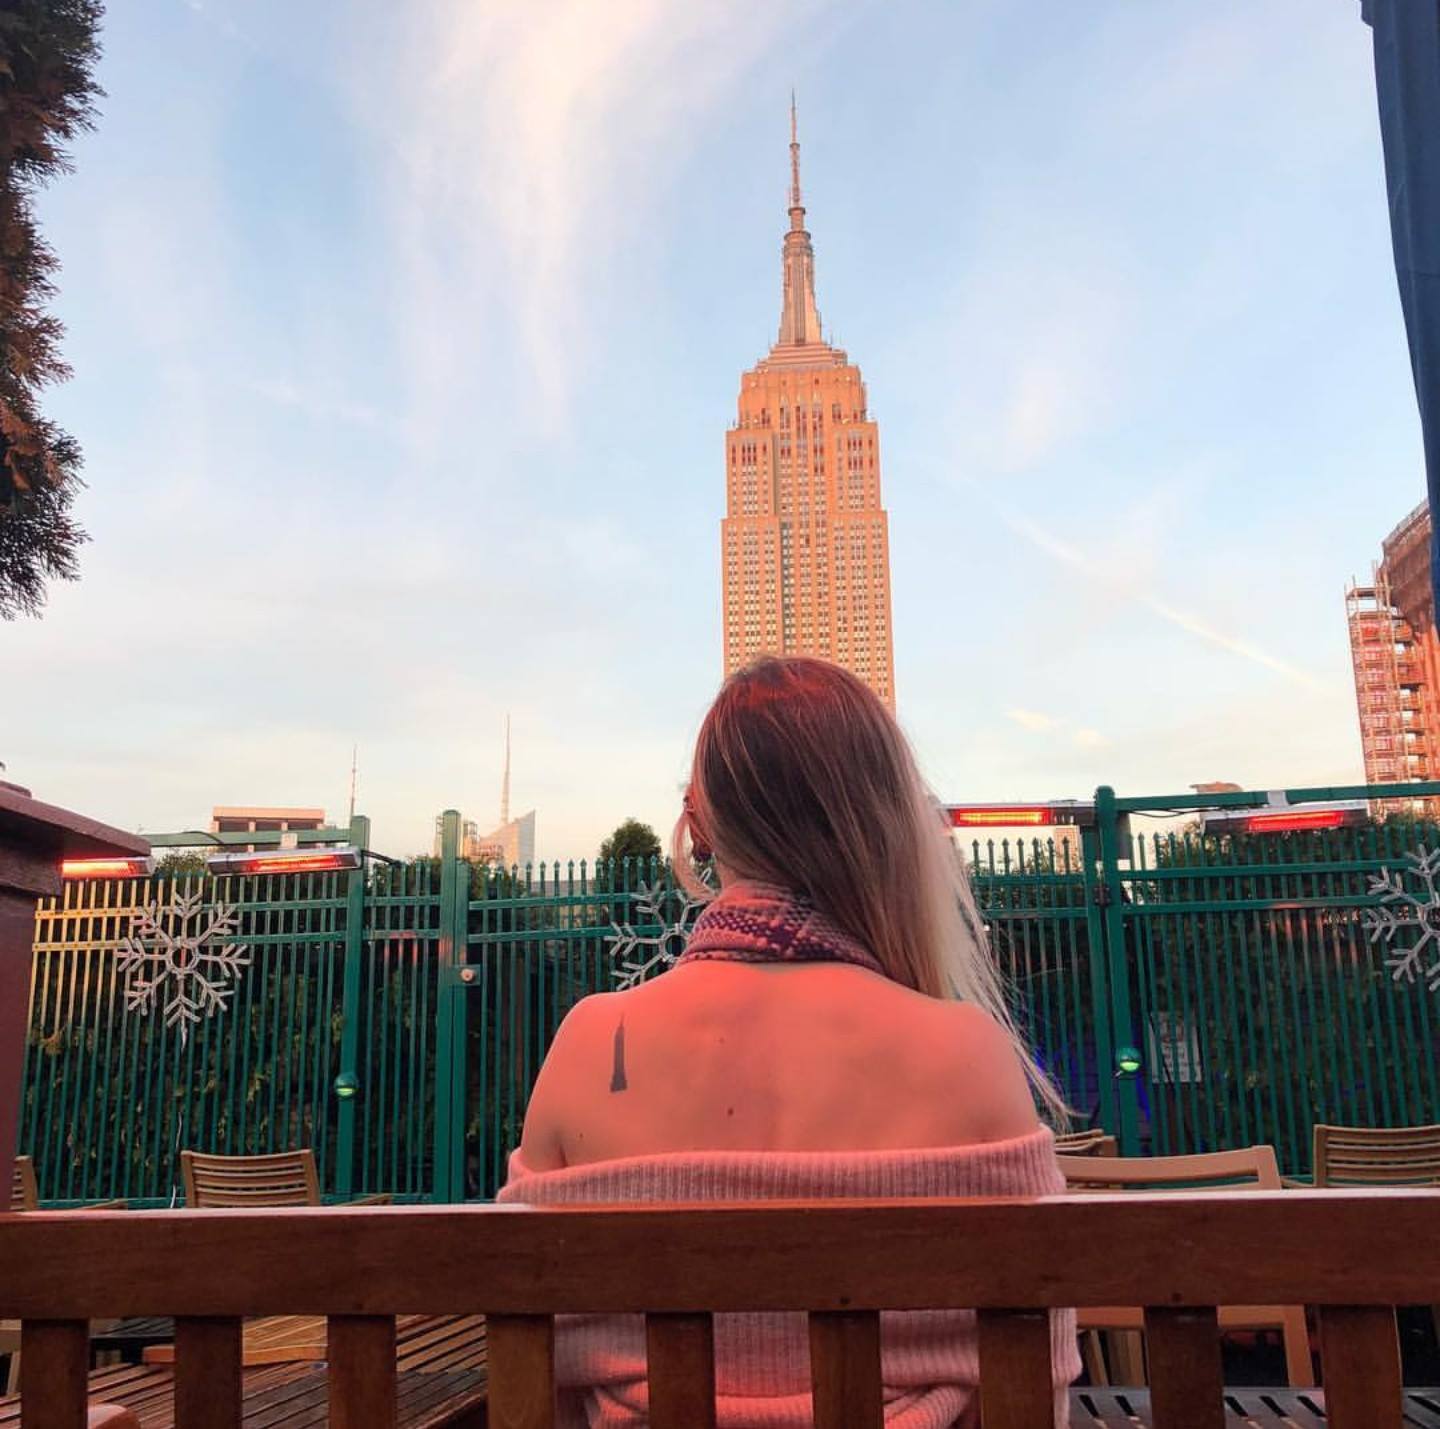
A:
<point x="1374" y="1156"/>
<point x="1094" y="1142"/>
<point x="1252" y="1169"/>
<point x="1378" y="1156"/>
<point x="24" y="1190"/>
<point x="25" y="1196"/>
<point x="283" y="1178"/>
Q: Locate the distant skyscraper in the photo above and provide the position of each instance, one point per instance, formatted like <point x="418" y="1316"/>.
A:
<point x="510" y="845"/>
<point x="805" y="542"/>
<point x="1396" y="655"/>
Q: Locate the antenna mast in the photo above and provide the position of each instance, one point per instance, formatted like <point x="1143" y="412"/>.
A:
<point x="505" y="783"/>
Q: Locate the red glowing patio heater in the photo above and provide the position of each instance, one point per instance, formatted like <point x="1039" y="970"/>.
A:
<point x="1056" y="813"/>
<point x="35" y="841"/>
<point x="1285" y="819"/>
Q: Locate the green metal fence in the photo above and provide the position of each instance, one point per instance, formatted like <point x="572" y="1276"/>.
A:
<point x="393" y="1018"/>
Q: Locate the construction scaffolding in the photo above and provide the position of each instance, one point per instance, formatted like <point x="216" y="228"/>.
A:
<point x="1396" y="659"/>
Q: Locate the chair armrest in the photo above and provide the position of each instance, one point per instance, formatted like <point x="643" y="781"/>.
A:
<point x="1292" y="1184"/>
<point x="118" y="1205"/>
<point x="383" y="1199"/>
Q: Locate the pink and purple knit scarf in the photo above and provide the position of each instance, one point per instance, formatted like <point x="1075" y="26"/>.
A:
<point x="759" y="923"/>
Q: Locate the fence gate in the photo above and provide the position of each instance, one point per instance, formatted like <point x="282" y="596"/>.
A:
<point x="1268" y="981"/>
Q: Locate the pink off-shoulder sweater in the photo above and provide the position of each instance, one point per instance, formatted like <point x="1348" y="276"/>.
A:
<point x="762" y="1360"/>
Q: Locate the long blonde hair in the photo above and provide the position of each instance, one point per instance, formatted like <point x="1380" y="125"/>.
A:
<point x="802" y="778"/>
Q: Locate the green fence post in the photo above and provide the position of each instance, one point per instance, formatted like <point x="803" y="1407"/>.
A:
<point x="458" y="912"/>
<point x="447" y="958"/>
<point x="1124" y="1086"/>
<point x="348" y="1077"/>
<point x="1096" y="896"/>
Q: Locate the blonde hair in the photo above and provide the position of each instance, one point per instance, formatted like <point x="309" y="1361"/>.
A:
<point x="803" y="779"/>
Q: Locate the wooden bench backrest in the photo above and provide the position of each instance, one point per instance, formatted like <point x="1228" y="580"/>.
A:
<point x="1355" y="1255"/>
<point x="24" y="1190"/>
<point x="1368" y="1156"/>
<point x="286" y="1178"/>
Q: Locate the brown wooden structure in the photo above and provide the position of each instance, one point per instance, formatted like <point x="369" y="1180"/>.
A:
<point x="35" y="839"/>
<point x="1352" y="1255"/>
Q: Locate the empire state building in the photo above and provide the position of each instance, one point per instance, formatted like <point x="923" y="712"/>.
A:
<point x="805" y="541"/>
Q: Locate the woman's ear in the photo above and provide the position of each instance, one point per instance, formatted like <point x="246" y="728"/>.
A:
<point x="699" y="846"/>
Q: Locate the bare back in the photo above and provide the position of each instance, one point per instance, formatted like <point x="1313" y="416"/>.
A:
<point x="810" y="1057"/>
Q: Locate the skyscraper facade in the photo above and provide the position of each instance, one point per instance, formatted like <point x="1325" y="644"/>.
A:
<point x="805" y="541"/>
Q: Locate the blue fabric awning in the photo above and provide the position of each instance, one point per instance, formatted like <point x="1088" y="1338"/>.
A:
<point x="1407" y="80"/>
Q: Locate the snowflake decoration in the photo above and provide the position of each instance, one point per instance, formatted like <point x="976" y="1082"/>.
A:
<point x="637" y="955"/>
<point x="170" y="956"/>
<point x="1402" y="908"/>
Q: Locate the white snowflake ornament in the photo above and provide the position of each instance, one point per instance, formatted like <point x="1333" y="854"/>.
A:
<point x="1404" y="907"/>
<point x="637" y="955"/>
<point x="170" y="956"/>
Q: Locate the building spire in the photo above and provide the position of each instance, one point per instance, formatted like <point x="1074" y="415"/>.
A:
<point x="799" y="317"/>
<point x="795" y="204"/>
<point x="505" y="782"/>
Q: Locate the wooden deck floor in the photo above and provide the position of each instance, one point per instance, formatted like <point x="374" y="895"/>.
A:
<point x="442" y="1381"/>
<point x="1244" y="1409"/>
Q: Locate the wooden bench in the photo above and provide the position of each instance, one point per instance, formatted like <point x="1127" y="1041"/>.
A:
<point x="1353" y="1255"/>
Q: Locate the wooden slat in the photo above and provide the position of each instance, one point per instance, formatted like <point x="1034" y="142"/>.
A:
<point x="55" y="1355"/>
<point x="1280" y="1408"/>
<point x="522" y="1371"/>
<point x="1422" y="1408"/>
<point x="207" y="1372"/>
<point x="361" y="1351"/>
<point x="1186" y="1382"/>
<point x="1016" y="1391"/>
<point x="680" y="1363"/>
<point x="1360" y="1365"/>
<point x="845" y="1369"/>
<point x="1282" y="1247"/>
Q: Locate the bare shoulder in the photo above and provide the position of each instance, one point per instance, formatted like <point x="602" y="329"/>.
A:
<point x="572" y="1047"/>
<point x="589" y="1022"/>
<point x="976" y="1059"/>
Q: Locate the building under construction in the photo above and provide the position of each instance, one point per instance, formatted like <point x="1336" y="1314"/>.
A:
<point x="1396" y="655"/>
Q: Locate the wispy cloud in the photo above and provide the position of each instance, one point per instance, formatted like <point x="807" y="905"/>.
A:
<point x="1113" y="577"/>
<point x="532" y="138"/>
<point x="1033" y="720"/>
<point x="324" y="406"/>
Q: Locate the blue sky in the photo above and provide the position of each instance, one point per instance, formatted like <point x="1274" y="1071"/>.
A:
<point x="406" y="336"/>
